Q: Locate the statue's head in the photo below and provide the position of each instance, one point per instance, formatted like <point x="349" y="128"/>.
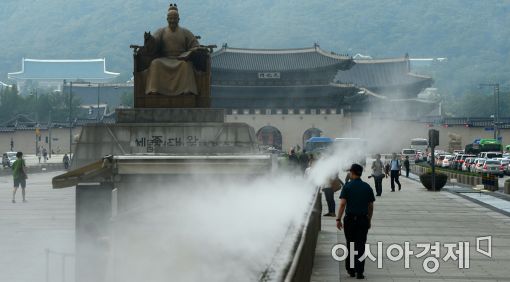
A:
<point x="173" y="17"/>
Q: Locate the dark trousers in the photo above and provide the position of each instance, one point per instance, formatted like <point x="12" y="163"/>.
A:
<point x="356" y="230"/>
<point x="378" y="184"/>
<point x="407" y="171"/>
<point x="394" y="178"/>
<point x="330" y="199"/>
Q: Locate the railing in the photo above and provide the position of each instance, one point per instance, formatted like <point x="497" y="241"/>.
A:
<point x="63" y="258"/>
<point x="467" y="121"/>
<point x="298" y="266"/>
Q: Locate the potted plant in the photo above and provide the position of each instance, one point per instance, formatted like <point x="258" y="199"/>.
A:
<point x="426" y="180"/>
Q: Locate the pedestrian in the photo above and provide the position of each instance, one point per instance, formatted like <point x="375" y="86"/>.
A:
<point x="45" y="154"/>
<point x="406" y="166"/>
<point x="39" y="154"/>
<point x="395" y="170"/>
<point x="333" y="184"/>
<point x="357" y="200"/>
<point x="293" y="159"/>
<point x="65" y="160"/>
<point x="304" y="159"/>
<point x="378" y="174"/>
<point x="311" y="162"/>
<point x="19" y="175"/>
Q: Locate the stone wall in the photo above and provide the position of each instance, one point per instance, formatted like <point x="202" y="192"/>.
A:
<point x="384" y="135"/>
<point x="24" y="140"/>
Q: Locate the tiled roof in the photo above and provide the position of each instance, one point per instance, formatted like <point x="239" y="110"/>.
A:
<point x="4" y="85"/>
<point x="277" y="60"/>
<point x="19" y="118"/>
<point x="380" y="73"/>
<point x="72" y="70"/>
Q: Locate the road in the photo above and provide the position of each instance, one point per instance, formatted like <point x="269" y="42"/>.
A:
<point x="416" y="216"/>
<point x="46" y="221"/>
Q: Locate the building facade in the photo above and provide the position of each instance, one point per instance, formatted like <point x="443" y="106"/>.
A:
<point x="287" y="95"/>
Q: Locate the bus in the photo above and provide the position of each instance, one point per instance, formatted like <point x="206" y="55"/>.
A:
<point x="359" y="145"/>
<point x="317" y="144"/>
<point x="419" y="144"/>
<point x="483" y="145"/>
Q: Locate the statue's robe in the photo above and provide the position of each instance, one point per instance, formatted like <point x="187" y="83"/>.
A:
<point x="169" y="75"/>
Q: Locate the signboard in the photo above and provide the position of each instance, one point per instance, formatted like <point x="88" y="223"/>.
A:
<point x="149" y="143"/>
<point x="269" y="75"/>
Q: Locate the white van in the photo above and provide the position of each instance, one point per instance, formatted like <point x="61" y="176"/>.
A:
<point x="490" y="155"/>
<point x="411" y="153"/>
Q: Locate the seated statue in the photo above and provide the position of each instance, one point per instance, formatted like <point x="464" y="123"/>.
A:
<point x="172" y="70"/>
<point x="171" y="73"/>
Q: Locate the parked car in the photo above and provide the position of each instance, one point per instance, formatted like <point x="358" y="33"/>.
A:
<point x="477" y="166"/>
<point x="439" y="159"/>
<point x="490" y="155"/>
<point x="420" y="156"/>
<point x="468" y="162"/>
<point x="490" y="166"/>
<point x="503" y="167"/>
<point x="507" y="169"/>
<point x="411" y="153"/>
<point x="447" y="161"/>
<point x="8" y="159"/>
<point x="460" y="161"/>
<point x="456" y="161"/>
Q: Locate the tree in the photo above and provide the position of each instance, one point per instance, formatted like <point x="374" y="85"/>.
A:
<point x="127" y="99"/>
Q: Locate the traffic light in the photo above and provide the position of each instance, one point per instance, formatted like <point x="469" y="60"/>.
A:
<point x="433" y="137"/>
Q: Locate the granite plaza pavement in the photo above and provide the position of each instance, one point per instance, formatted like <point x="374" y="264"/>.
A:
<point x="413" y="214"/>
<point x="418" y="216"/>
<point x="27" y="230"/>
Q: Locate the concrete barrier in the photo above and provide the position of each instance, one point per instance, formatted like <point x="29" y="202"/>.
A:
<point x="300" y="268"/>
<point x="460" y="177"/>
<point x="507" y="187"/>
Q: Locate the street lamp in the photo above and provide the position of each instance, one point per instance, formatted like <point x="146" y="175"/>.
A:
<point x="495" y="87"/>
<point x="98" y="95"/>
<point x="37" y="130"/>
<point x="70" y="116"/>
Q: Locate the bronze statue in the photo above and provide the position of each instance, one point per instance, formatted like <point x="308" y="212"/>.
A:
<point x="171" y="73"/>
<point x="172" y="70"/>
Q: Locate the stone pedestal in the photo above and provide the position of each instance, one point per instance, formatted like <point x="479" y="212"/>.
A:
<point x="169" y="115"/>
<point x="165" y="132"/>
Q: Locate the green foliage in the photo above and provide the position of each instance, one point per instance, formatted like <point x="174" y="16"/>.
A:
<point x="11" y="103"/>
<point x="127" y="99"/>
<point x="40" y="107"/>
<point x="472" y="34"/>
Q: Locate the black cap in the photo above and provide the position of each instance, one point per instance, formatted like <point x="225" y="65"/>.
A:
<point x="356" y="169"/>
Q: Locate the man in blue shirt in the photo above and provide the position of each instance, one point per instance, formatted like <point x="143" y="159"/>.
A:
<point x="396" y="167"/>
<point x="357" y="200"/>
